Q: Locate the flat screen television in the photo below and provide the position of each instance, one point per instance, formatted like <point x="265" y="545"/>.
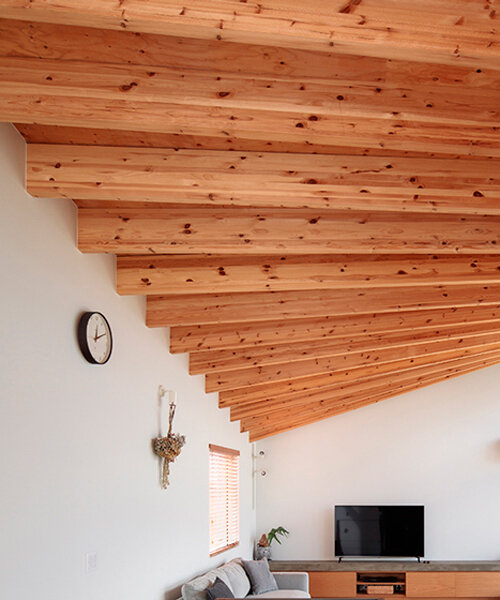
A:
<point x="377" y="531"/>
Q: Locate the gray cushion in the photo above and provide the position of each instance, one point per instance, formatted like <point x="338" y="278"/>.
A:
<point x="260" y="576"/>
<point x="280" y="594"/>
<point x="218" y="590"/>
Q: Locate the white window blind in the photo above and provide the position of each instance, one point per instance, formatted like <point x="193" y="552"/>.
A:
<point x="224" y="499"/>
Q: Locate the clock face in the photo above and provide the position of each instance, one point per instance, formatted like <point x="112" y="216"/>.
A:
<point x="94" y="337"/>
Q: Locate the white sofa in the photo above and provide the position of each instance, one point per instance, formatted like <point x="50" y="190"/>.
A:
<point x="293" y="584"/>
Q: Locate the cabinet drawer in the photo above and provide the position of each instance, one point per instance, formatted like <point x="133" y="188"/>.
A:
<point x="477" y="585"/>
<point x="430" y="585"/>
<point x="323" y="584"/>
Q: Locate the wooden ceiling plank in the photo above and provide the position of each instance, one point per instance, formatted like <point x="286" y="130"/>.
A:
<point x="343" y="182"/>
<point x="238" y="90"/>
<point x="165" y="100"/>
<point x="47" y="41"/>
<point x="286" y="417"/>
<point x="300" y="419"/>
<point x="227" y="320"/>
<point x="244" y="378"/>
<point x="35" y="133"/>
<point x="294" y="231"/>
<point x="249" y="337"/>
<point x="263" y="431"/>
<point x="68" y="54"/>
<point x="449" y="36"/>
<point x="21" y="103"/>
<point x="148" y="275"/>
<point x="399" y="372"/>
<point x="216" y="361"/>
<point x="296" y="388"/>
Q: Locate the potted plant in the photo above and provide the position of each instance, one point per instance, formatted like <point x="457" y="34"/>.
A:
<point x="263" y="549"/>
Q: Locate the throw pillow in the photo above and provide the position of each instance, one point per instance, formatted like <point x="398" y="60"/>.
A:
<point x="218" y="590"/>
<point x="196" y="589"/>
<point x="260" y="576"/>
<point x="237" y="579"/>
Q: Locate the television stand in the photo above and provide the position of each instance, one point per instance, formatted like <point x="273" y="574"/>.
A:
<point x="399" y="580"/>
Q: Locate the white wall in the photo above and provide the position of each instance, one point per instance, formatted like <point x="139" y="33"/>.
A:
<point x="76" y="466"/>
<point x="439" y="446"/>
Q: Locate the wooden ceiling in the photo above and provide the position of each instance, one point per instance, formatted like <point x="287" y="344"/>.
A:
<point x="307" y="193"/>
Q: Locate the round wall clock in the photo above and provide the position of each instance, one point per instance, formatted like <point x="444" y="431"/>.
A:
<point x="94" y="338"/>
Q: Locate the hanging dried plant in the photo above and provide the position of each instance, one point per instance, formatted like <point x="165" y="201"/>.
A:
<point x="169" y="447"/>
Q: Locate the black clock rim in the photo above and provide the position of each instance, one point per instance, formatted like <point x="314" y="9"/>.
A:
<point x="82" y="337"/>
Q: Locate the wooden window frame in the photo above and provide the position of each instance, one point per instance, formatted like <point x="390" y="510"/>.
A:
<point x="232" y="487"/>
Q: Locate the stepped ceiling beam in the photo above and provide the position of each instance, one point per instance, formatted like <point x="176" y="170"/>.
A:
<point x="307" y="193"/>
<point x="444" y="32"/>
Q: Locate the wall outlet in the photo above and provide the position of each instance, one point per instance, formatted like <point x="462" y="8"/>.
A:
<point x="90" y="561"/>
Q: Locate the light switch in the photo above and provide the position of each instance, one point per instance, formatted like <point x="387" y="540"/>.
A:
<point x="91" y="561"/>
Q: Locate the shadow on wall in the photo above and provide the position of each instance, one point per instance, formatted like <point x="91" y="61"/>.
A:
<point x="493" y="451"/>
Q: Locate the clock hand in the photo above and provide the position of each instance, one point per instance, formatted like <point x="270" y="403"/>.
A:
<point x="100" y="336"/>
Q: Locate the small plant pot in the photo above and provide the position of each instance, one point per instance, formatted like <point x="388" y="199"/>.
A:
<point x="262" y="552"/>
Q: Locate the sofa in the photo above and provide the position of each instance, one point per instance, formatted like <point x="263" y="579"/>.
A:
<point x="291" y="584"/>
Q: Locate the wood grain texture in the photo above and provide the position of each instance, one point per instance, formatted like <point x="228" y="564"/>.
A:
<point x="216" y="361"/>
<point x="459" y="186"/>
<point x="35" y="133"/>
<point x="265" y="426"/>
<point x="294" y="389"/>
<point x="294" y="231"/>
<point x="25" y="98"/>
<point x="264" y="429"/>
<point x="345" y="182"/>
<point x="441" y="32"/>
<point x="332" y="585"/>
<point x="205" y="275"/>
<point x="356" y="388"/>
<point x="23" y="39"/>
<point x="244" y="378"/>
<point x="160" y="99"/>
<point x="245" y="336"/>
<point x="370" y="81"/>
<point x="209" y="319"/>
<point x="477" y="584"/>
<point x="310" y="194"/>
<point x="430" y="585"/>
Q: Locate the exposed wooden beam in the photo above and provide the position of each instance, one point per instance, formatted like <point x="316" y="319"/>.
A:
<point x="35" y="133"/>
<point x="227" y="230"/>
<point x="344" y="215"/>
<point x="243" y="378"/>
<point x="245" y="336"/>
<point x="205" y="275"/>
<point x="124" y="97"/>
<point x="238" y="230"/>
<point x="215" y="361"/>
<point x="385" y="384"/>
<point x="439" y="32"/>
<point x="293" y="389"/>
<point x="227" y="320"/>
<point x="262" y="430"/>
<point x="366" y="383"/>
<point x="75" y="43"/>
<point x="363" y="84"/>
<point x="343" y="182"/>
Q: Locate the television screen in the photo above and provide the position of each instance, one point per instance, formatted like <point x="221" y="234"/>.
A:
<point x="395" y="531"/>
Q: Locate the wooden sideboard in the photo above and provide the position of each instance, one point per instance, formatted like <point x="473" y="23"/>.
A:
<point x="426" y="581"/>
<point x="429" y="584"/>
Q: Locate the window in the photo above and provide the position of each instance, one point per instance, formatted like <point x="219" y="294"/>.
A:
<point x="224" y="486"/>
